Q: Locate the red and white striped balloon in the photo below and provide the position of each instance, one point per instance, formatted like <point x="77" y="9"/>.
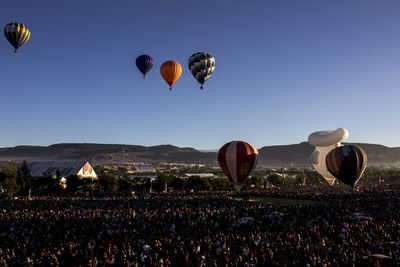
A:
<point x="237" y="160"/>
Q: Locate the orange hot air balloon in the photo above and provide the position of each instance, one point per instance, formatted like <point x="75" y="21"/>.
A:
<point x="171" y="71"/>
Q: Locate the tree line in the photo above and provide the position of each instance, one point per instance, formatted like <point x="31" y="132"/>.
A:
<point x="18" y="181"/>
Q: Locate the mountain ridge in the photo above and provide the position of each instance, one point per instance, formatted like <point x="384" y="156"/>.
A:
<point x="292" y="155"/>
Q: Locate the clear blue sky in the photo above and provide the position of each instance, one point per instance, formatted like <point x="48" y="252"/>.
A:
<point x="284" y="69"/>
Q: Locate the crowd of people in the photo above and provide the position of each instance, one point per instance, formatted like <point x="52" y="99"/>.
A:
<point x="338" y="226"/>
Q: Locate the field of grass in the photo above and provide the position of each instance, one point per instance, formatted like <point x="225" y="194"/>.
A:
<point x="282" y="201"/>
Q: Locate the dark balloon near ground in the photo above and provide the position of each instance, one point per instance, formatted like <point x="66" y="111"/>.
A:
<point x="144" y="63"/>
<point x="347" y="163"/>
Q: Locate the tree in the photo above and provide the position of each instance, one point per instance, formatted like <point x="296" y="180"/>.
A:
<point x="11" y="185"/>
<point x="163" y="178"/>
<point x="255" y="179"/>
<point x="205" y="183"/>
<point x="276" y="179"/>
<point x="313" y="177"/>
<point x="300" y="178"/>
<point x="107" y="181"/>
<point x="197" y="183"/>
<point x="24" y="179"/>
<point x="124" y="184"/>
<point x="58" y="174"/>
<point x="4" y="174"/>
<point x="220" y="183"/>
<point x="177" y="183"/>
<point x="193" y="182"/>
<point x="72" y="183"/>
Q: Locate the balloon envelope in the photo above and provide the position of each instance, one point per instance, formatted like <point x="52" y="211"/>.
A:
<point x="324" y="142"/>
<point x="17" y="34"/>
<point x="237" y="160"/>
<point x="318" y="159"/>
<point x="347" y="163"/>
<point x="201" y="65"/>
<point x="328" y="137"/>
<point x="144" y="63"/>
<point x="171" y="71"/>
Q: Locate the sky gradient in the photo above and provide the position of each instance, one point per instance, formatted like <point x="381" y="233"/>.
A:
<point x="284" y="69"/>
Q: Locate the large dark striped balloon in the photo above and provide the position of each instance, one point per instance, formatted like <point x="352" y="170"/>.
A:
<point x="237" y="160"/>
<point x="17" y="34"/>
<point x="201" y="65"/>
<point x="144" y="63"/>
<point x="347" y="163"/>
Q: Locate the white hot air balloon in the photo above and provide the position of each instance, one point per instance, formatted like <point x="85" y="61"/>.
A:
<point x="324" y="142"/>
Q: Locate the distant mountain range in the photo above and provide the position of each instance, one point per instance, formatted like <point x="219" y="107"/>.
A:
<point x="296" y="155"/>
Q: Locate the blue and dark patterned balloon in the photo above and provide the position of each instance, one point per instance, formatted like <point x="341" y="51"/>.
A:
<point x="17" y="34"/>
<point x="201" y="65"/>
<point x="144" y="64"/>
<point x="347" y="163"/>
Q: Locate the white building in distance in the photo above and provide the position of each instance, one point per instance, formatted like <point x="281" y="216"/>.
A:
<point x="201" y="175"/>
<point x="81" y="169"/>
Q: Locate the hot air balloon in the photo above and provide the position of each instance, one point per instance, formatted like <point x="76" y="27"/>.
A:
<point x="201" y="65"/>
<point x="17" y="34"/>
<point x="171" y="71"/>
<point x="237" y="160"/>
<point x="347" y="163"/>
<point x="324" y="142"/>
<point x="144" y="63"/>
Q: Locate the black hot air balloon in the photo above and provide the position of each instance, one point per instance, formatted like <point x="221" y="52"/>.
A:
<point x="17" y="34"/>
<point x="347" y="163"/>
<point x="144" y="64"/>
<point x="201" y="65"/>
